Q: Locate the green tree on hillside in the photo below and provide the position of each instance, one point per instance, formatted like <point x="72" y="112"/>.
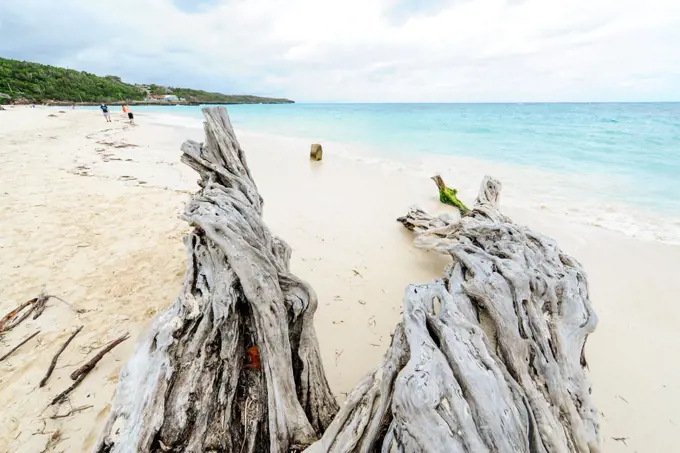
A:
<point x="37" y="82"/>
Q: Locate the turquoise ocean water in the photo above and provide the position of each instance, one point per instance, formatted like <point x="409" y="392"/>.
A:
<point x="623" y="158"/>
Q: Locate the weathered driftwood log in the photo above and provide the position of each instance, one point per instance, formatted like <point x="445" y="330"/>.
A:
<point x="487" y="359"/>
<point x="188" y="386"/>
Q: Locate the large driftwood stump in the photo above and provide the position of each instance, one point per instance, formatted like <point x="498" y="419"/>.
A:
<point x="487" y="359"/>
<point x="189" y="385"/>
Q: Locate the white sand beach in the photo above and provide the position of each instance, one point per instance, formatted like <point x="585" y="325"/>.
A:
<point x="97" y="224"/>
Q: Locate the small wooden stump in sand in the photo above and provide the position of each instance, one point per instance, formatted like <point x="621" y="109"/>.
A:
<point x="316" y="153"/>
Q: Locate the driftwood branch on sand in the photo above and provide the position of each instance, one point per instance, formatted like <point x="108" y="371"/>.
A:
<point x="490" y="358"/>
<point x="53" y="363"/>
<point x="83" y="370"/>
<point x="79" y="375"/>
<point x="6" y="322"/>
<point x="37" y="306"/>
<point x="15" y="348"/>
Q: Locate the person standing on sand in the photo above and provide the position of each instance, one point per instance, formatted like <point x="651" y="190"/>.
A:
<point x="107" y="114"/>
<point x="131" y="117"/>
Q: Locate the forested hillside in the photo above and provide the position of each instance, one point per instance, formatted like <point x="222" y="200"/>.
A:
<point x="192" y="95"/>
<point x="39" y="82"/>
<point x="22" y="81"/>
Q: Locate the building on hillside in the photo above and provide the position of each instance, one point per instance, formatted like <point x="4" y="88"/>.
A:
<point x="163" y="97"/>
<point x="143" y="88"/>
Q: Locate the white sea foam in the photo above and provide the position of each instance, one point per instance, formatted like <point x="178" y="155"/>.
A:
<point x="175" y="120"/>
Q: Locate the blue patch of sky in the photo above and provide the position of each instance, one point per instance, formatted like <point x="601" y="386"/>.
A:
<point x="194" y="6"/>
<point x="402" y="10"/>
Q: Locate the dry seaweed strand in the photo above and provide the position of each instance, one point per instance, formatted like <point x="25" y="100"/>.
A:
<point x="56" y="357"/>
<point x="77" y="310"/>
<point x="18" y="346"/>
<point x="73" y="411"/>
<point x="40" y="305"/>
<point x="53" y="441"/>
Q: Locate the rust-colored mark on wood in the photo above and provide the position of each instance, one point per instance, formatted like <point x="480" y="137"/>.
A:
<point x="253" y="358"/>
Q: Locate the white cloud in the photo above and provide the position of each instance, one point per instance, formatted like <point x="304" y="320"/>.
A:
<point x="364" y="50"/>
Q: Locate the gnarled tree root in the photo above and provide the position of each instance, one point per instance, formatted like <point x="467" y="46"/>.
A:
<point x="187" y="386"/>
<point x="487" y="359"/>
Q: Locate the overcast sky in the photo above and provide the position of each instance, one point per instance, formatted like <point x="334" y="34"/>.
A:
<point x="364" y="50"/>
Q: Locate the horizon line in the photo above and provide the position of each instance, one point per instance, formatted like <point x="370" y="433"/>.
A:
<point x="478" y="102"/>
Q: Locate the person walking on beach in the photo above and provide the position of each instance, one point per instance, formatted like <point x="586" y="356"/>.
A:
<point x="131" y="117"/>
<point x="107" y="114"/>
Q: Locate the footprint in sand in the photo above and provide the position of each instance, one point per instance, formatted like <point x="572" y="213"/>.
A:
<point x="80" y="170"/>
<point x="117" y="144"/>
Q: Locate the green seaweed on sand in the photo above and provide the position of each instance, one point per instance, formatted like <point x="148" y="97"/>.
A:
<point x="449" y="196"/>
